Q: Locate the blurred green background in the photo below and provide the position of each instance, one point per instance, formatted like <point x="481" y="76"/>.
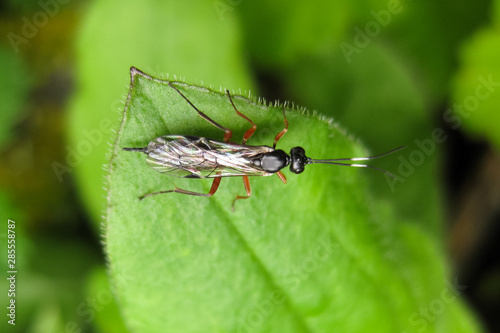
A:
<point x="423" y="74"/>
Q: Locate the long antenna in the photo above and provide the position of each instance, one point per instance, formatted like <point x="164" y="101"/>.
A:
<point x="143" y="150"/>
<point x="336" y="161"/>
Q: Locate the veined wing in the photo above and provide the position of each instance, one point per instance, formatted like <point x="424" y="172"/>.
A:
<point x="195" y="157"/>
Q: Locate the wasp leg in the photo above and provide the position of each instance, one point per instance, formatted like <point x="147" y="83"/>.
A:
<point x="246" y="182"/>
<point x="282" y="176"/>
<point x="280" y="134"/>
<point x="228" y="133"/>
<point x="250" y="131"/>
<point x="213" y="189"/>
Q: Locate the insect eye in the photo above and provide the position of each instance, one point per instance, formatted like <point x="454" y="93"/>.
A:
<point x="275" y="161"/>
<point x="299" y="160"/>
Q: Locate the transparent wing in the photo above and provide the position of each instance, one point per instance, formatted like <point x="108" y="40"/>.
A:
<point x="194" y="157"/>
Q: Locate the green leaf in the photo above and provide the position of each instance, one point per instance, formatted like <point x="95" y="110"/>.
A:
<point x="315" y="255"/>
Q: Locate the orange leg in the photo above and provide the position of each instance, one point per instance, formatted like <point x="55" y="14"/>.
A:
<point x="227" y="135"/>
<point x="213" y="189"/>
<point x="280" y="134"/>
<point x="246" y="182"/>
<point x="251" y="131"/>
<point x="282" y="176"/>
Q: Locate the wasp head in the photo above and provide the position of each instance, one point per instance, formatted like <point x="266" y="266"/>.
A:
<point x="299" y="160"/>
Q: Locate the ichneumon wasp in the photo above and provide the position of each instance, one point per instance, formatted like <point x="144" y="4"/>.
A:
<point x="198" y="157"/>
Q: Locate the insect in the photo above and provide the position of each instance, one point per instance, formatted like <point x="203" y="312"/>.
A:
<point x="198" y="157"/>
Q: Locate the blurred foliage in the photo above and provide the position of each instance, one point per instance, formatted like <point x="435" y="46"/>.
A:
<point x="13" y="92"/>
<point x="49" y="281"/>
<point x="476" y="93"/>
<point x="52" y="253"/>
